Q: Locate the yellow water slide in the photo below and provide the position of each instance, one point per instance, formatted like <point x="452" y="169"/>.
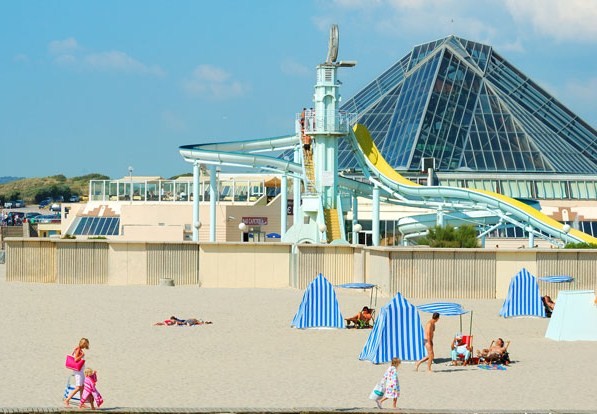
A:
<point x="381" y="169"/>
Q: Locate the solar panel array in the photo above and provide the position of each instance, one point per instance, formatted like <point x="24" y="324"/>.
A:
<point x="96" y="226"/>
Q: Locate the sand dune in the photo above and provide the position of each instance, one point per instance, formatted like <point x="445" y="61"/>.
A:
<point x="251" y="358"/>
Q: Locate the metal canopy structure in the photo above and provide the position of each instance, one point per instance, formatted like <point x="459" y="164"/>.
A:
<point x="373" y="288"/>
<point x="461" y="103"/>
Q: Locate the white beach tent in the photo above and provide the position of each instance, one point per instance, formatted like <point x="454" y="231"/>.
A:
<point x="397" y="332"/>
<point x="523" y="297"/>
<point x="574" y="318"/>
<point x="319" y="307"/>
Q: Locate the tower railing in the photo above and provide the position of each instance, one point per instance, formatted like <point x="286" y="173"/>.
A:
<point x="331" y="123"/>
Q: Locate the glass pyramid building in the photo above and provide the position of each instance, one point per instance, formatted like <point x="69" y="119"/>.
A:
<point x="464" y="105"/>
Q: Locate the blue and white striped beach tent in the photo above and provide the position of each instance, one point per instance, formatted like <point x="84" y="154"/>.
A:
<point x="319" y="308"/>
<point x="397" y="332"/>
<point x="523" y="297"/>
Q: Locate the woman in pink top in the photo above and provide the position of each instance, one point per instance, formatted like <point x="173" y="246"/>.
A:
<point x="78" y="354"/>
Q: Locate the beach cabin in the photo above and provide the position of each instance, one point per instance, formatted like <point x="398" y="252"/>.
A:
<point x="574" y="317"/>
<point x="319" y="307"/>
<point x="523" y="298"/>
<point x="397" y="333"/>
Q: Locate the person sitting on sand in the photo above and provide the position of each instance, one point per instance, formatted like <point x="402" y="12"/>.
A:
<point x="551" y="304"/>
<point x="460" y="348"/>
<point x="360" y="319"/>
<point x="182" y="322"/>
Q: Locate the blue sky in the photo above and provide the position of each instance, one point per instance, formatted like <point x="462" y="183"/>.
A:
<point x="96" y="86"/>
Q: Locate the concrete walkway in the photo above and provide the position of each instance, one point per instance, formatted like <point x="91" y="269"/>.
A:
<point x="121" y="410"/>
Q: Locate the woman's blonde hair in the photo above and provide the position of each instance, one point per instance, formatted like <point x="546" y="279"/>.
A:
<point x="84" y="343"/>
<point x="396" y="362"/>
<point x="88" y="372"/>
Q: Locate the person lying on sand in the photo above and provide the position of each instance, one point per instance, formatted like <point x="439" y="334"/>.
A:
<point x="183" y="322"/>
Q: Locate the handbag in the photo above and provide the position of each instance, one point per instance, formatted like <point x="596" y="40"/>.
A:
<point x="379" y="391"/>
<point x="71" y="364"/>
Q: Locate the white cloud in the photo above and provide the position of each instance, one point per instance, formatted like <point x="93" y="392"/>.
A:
<point x="213" y="82"/>
<point x="116" y="61"/>
<point x="69" y="53"/>
<point x="428" y="19"/>
<point x="515" y="46"/>
<point x="210" y="73"/>
<point x="65" y="60"/>
<point x="428" y="5"/>
<point x="61" y="47"/>
<point x="358" y="4"/>
<point x="561" y="19"/>
<point x="294" y="68"/>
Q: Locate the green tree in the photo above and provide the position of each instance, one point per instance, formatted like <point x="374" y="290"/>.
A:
<point x="450" y="237"/>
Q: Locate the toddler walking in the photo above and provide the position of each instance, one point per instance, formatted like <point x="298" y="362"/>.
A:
<point x="390" y="383"/>
<point x="90" y="392"/>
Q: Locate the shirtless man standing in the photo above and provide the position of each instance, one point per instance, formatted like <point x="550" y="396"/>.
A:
<point x="429" y="331"/>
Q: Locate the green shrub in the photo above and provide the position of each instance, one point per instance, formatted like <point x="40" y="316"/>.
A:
<point x="580" y="246"/>
<point x="450" y="237"/>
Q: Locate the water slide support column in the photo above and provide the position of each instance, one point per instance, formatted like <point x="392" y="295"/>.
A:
<point x="375" y="216"/>
<point x="284" y="204"/>
<point x="440" y="217"/>
<point x="296" y="188"/>
<point x="355" y="218"/>
<point x="531" y="237"/>
<point x="212" y="203"/>
<point x="195" y="223"/>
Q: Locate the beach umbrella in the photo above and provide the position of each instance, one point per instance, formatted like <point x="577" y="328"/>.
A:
<point x="397" y="333"/>
<point x="448" y="309"/>
<point x="319" y="307"/>
<point x="556" y="279"/>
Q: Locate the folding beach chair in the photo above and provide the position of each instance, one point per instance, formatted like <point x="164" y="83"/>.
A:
<point x="497" y="358"/>
<point x="70" y="388"/>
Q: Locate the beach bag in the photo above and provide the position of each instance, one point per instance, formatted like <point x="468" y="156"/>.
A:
<point x="71" y="364"/>
<point x="378" y="391"/>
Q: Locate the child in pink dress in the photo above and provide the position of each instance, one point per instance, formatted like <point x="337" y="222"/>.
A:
<point x="90" y="392"/>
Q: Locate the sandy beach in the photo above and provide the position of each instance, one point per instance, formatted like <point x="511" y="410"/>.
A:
<point x="250" y="357"/>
